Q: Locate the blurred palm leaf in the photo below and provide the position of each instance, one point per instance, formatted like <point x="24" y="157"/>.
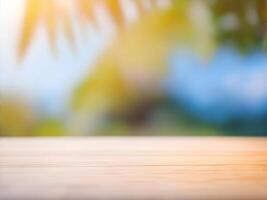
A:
<point x="116" y="11"/>
<point x="52" y="13"/>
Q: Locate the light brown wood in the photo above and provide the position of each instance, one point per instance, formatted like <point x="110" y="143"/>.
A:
<point x="133" y="168"/>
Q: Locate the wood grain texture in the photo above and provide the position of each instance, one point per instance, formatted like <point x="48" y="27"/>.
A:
<point x="133" y="168"/>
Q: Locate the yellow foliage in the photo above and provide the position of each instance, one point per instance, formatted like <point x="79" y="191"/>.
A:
<point x="108" y="89"/>
<point x="133" y="66"/>
<point x="16" y="117"/>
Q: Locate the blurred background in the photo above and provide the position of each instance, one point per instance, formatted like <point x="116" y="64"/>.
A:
<point x="133" y="67"/>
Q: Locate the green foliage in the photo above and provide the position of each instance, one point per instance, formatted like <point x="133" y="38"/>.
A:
<point x="242" y="23"/>
<point x="50" y="127"/>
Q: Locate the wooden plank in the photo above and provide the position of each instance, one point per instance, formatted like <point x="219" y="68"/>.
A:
<point x="133" y="168"/>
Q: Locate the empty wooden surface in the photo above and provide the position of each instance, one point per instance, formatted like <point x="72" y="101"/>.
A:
<point x="133" y="168"/>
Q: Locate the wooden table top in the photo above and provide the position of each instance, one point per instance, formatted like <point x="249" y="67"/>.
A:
<point x="133" y="168"/>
